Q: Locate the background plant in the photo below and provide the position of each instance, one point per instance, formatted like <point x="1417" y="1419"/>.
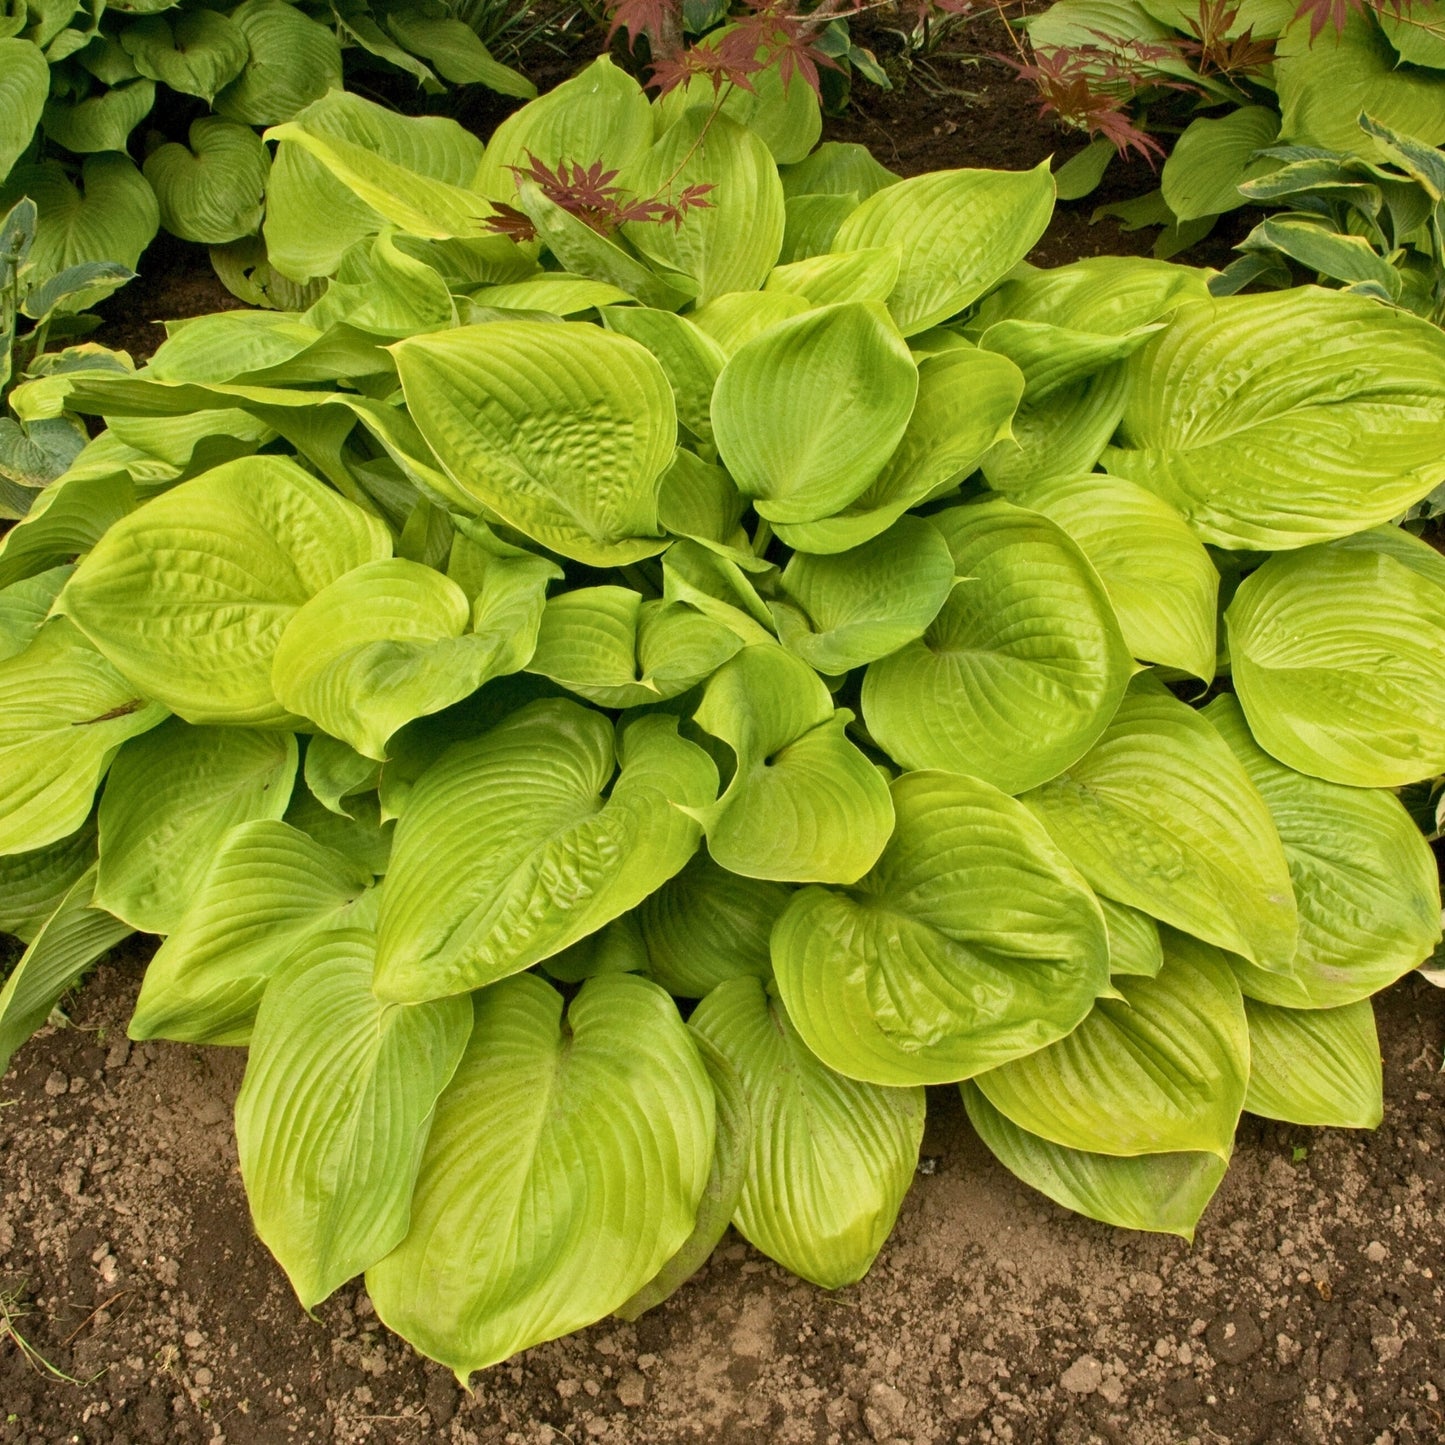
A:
<point x="607" y="718"/>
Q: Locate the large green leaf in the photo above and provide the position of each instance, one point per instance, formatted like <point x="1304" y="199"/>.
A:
<point x="1339" y="661"/>
<point x="294" y="60"/>
<point x="732" y="242"/>
<point x="100" y="122"/>
<point x="24" y="84"/>
<point x="831" y="1158"/>
<point x="456" y="50"/>
<point x="564" y="1168"/>
<point x="335" y="1109"/>
<point x="64" y="710"/>
<point x="1062" y="436"/>
<point x="1019" y="673"/>
<point x="211" y="192"/>
<point x="33" y="884"/>
<point x="1161" y="816"/>
<point x="807" y="413"/>
<point x="68" y="519"/>
<point x="804" y="804"/>
<point x="1365" y="881"/>
<point x="972" y="941"/>
<point x="848" y="276"/>
<point x="171" y="796"/>
<point x="1161" y="1070"/>
<point x="844" y="611"/>
<point x="393" y="640"/>
<point x="195" y="52"/>
<point x="1159" y="578"/>
<point x="1417" y="33"/>
<point x="1316" y="1066"/>
<point x="189" y="595"/>
<point x="1273" y="421"/>
<point x="1165" y="1193"/>
<point x="958" y="232"/>
<point x="610" y="646"/>
<point x="67" y="943"/>
<point x="966" y="403"/>
<point x="563" y="430"/>
<point x="690" y="359"/>
<point x="24" y="607"/>
<point x="507" y="852"/>
<point x="707" y="925"/>
<point x="111" y="216"/>
<point x="1203" y="173"/>
<point x="269" y="889"/>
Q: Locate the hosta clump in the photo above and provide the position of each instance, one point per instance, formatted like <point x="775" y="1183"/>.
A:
<point x="607" y="731"/>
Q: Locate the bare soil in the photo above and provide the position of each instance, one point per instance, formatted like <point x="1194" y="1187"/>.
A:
<point x="1309" y="1309"/>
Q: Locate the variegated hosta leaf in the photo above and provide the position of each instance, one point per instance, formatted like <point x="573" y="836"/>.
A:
<point x="972" y="941"/>
<point x="1020" y="672"/>
<point x="33" y="884"/>
<point x="391" y="641"/>
<point x="807" y="413"/>
<point x="1318" y="1066"/>
<point x="958" y="232"/>
<point x="1339" y="661"/>
<point x="335" y="1108"/>
<point x="966" y="403"/>
<point x="844" y="611"/>
<point x="804" y="805"/>
<point x="1161" y="1070"/>
<point x="1159" y="578"/>
<point x="507" y="851"/>
<point x="724" y="1189"/>
<point x="1365" y="881"/>
<point x="707" y="925"/>
<point x="1165" y="1193"/>
<point x="831" y="1158"/>
<point x="563" y="430"/>
<point x="64" y="710"/>
<point x="1276" y="420"/>
<point x="1134" y="946"/>
<point x="211" y="191"/>
<point x="268" y="890"/>
<point x="731" y="243"/>
<point x="610" y="646"/>
<point x="1161" y="816"/>
<point x="65" y="945"/>
<point x="564" y="1168"/>
<point x="189" y="595"/>
<point x="171" y="796"/>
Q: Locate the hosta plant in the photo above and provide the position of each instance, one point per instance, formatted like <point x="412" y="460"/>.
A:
<point x="606" y="711"/>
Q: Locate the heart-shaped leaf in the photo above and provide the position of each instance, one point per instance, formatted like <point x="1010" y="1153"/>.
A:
<point x="196" y="52"/>
<point x="211" y="192"/>
<point x="100" y="122"/>
<point x="293" y="60"/>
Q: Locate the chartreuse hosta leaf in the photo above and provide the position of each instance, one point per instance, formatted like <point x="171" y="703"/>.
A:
<point x="1165" y="1193"/>
<point x="65" y="945"/>
<point x="1161" y="1070"/>
<point x="1365" y="881"/>
<point x="507" y="851"/>
<point x="33" y="884"/>
<point x="1163" y="587"/>
<point x="393" y="640"/>
<point x="1020" y="672"/>
<point x="1063" y="436"/>
<point x="335" y="773"/>
<point x="706" y="926"/>
<point x="867" y="275"/>
<point x="268" y="890"/>
<point x="1160" y="815"/>
<point x="724" y="1188"/>
<point x="170" y="798"/>
<point x="64" y="710"/>
<point x="24" y="607"/>
<point x="1315" y="1066"/>
<point x="972" y="941"/>
<point x="804" y="805"/>
<point x="957" y="232"/>
<point x="849" y="609"/>
<point x="1134" y="946"/>
<point x="335" y="1108"/>
<point x="966" y="403"/>
<point x="733" y="242"/>
<point x="68" y="518"/>
<point x="1203" y="173"/>
<point x="211" y="192"/>
<point x="807" y="413"/>
<point x="690" y="359"/>
<point x="733" y="321"/>
<point x="189" y="595"/>
<point x="610" y="646"/>
<point x="1277" y="420"/>
<point x="565" y="1166"/>
<point x="563" y="430"/>
<point x="1339" y="661"/>
<point x="831" y="1158"/>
